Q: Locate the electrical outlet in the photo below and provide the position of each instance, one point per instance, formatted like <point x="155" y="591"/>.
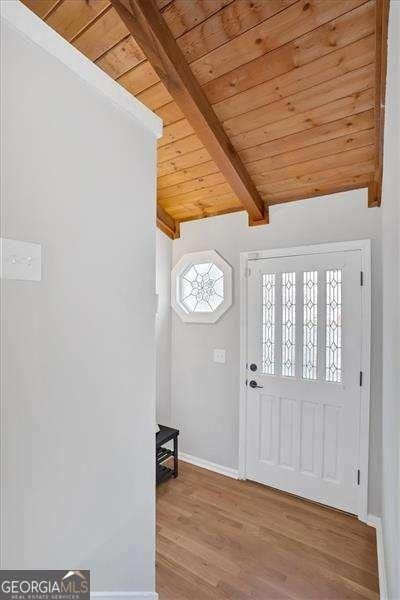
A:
<point x="219" y="356"/>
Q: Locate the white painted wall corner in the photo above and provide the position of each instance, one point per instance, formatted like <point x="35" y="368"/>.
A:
<point x="206" y="464"/>
<point x="376" y="522"/>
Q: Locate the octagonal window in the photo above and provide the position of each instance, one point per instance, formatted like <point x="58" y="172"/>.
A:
<point x="201" y="287"/>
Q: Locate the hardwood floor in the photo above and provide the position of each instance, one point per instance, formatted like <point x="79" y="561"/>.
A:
<point x="218" y="538"/>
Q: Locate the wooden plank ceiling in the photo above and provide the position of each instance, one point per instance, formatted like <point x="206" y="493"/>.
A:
<point x="282" y="99"/>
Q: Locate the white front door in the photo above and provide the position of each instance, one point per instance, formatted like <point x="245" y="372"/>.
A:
<point x="304" y="354"/>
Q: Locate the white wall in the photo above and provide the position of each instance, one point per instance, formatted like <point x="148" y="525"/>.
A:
<point x="163" y="327"/>
<point x="78" y="361"/>
<point x="391" y="311"/>
<point x="205" y="395"/>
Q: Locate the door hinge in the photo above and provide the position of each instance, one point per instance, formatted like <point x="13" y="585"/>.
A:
<point x="361" y="378"/>
<point x="358" y="476"/>
<point x="246" y="382"/>
<point x="361" y="277"/>
<point x="247" y="272"/>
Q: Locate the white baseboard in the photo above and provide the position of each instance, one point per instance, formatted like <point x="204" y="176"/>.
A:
<point x="376" y="522"/>
<point x="125" y="595"/>
<point x="206" y="464"/>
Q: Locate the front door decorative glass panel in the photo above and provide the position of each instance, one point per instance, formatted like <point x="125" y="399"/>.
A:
<point x="291" y="350"/>
<point x="269" y="323"/>
<point x="201" y="287"/>
<point x="333" y="359"/>
<point x="310" y="324"/>
<point x="288" y="324"/>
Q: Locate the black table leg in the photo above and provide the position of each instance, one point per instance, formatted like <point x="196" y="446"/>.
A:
<point x="175" y="456"/>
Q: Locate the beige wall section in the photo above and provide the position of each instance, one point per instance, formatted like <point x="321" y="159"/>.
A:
<point x="78" y="360"/>
<point x="205" y="395"/>
<point x="391" y="312"/>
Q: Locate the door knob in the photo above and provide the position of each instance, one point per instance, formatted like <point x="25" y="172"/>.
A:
<point x="253" y="384"/>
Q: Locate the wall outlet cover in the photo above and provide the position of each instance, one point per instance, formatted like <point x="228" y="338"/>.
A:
<point x="219" y="355"/>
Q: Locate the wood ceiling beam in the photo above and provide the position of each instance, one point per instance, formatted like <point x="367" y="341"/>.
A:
<point x="381" y="37"/>
<point x="167" y="224"/>
<point x="146" y="24"/>
<point x="324" y="189"/>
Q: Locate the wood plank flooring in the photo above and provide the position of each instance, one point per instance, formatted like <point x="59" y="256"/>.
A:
<point x="218" y="538"/>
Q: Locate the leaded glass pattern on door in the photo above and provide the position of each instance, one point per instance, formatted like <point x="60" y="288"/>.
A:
<point x="269" y="324"/>
<point x="333" y="355"/>
<point x="288" y="324"/>
<point x="302" y="324"/>
<point x="310" y="324"/>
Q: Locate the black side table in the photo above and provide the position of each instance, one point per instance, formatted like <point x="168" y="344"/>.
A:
<point x="166" y="434"/>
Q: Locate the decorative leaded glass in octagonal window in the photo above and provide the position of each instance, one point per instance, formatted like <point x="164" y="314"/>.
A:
<point x="201" y="287"/>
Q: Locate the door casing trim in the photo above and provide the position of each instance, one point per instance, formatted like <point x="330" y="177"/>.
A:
<point x="364" y="247"/>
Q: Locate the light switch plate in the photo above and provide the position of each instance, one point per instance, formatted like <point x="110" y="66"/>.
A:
<point x="219" y="355"/>
<point x="21" y="260"/>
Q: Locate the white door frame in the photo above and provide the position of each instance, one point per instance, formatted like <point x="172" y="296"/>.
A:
<point x="364" y="246"/>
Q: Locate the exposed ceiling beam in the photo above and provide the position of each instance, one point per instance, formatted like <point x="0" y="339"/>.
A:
<point x="151" y="33"/>
<point x="320" y="190"/>
<point x="167" y="224"/>
<point x="381" y="36"/>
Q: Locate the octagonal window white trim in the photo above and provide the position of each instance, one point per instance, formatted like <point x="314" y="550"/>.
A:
<point x="201" y="287"/>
